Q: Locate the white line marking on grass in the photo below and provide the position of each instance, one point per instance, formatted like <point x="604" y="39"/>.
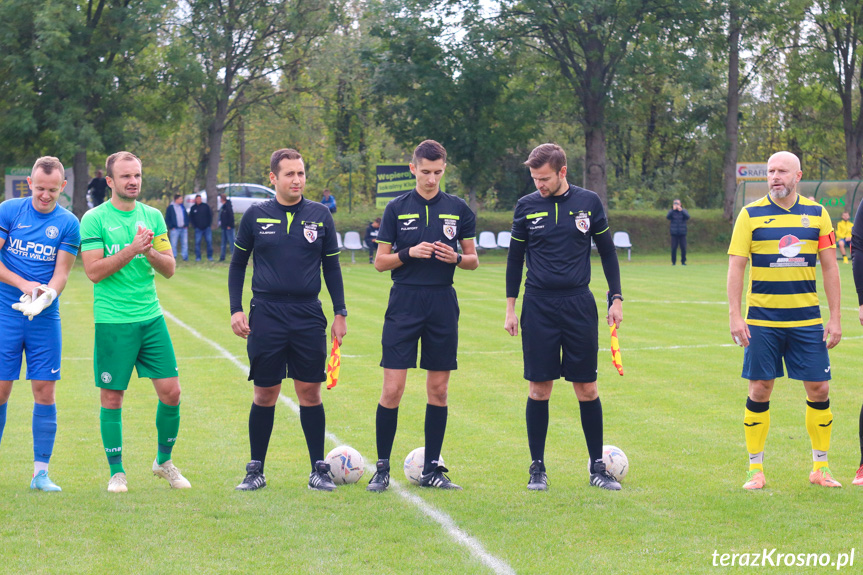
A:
<point x="472" y="544"/>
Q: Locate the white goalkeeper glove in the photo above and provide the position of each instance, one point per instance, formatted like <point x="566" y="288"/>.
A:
<point x="24" y="301"/>
<point x="37" y="304"/>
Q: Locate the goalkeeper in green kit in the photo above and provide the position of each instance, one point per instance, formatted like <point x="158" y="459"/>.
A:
<point x="123" y="244"/>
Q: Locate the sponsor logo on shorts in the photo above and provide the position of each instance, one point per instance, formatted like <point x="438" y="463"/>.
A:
<point x="55" y="370"/>
<point x="106" y="377"/>
<point x="52" y="232"/>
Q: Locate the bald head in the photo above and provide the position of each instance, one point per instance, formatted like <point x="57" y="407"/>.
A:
<point x="783" y="174"/>
<point x="786" y="157"/>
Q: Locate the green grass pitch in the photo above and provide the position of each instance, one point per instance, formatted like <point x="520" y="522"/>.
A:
<point x="677" y="414"/>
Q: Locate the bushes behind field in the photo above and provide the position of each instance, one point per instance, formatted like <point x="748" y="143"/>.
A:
<point x="648" y="229"/>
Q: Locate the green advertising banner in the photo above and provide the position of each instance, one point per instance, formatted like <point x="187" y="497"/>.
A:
<point x="394" y="180"/>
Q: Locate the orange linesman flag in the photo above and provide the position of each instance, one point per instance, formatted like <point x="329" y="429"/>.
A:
<point x="334" y="365"/>
<point x="616" y="358"/>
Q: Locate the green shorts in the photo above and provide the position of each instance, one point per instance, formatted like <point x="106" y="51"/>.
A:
<point x="144" y="345"/>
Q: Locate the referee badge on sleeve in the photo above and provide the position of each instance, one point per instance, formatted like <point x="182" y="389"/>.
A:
<point x="450" y="228"/>
<point x="310" y="231"/>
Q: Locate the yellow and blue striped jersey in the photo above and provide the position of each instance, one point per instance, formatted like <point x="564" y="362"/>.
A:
<point x="782" y="247"/>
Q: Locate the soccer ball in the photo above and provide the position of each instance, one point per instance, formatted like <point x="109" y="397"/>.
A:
<point x="346" y="465"/>
<point x="414" y="464"/>
<point x="615" y="461"/>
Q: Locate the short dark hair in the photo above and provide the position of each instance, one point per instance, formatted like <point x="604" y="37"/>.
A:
<point x="283" y="154"/>
<point x="116" y="157"/>
<point x="48" y="164"/>
<point x="429" y="150"/>
<point x="377" y="220"/>
<point x="177" y="196"/>
<point x="550" y="154"/>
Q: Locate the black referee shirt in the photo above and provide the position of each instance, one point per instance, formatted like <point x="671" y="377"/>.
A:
<point x="556" y="232"/>
<point x="289" y="244"/>
<point x="410" y="219"/>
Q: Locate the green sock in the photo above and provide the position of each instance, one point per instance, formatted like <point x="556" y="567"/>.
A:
<point x="111" y="423"/>
<point x="167" y="426"/>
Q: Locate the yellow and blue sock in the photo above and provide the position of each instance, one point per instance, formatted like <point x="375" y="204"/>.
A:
<point x="819" y="424"/>
<point x="756" y="424"/>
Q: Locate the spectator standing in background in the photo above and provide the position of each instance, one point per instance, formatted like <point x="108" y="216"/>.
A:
<point x="678" y="216"/>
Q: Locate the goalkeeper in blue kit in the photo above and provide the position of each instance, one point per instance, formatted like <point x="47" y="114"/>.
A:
<point x="38" y="244"/>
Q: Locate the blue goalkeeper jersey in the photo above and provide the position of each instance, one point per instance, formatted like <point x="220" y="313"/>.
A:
<point x="31" y="241"/>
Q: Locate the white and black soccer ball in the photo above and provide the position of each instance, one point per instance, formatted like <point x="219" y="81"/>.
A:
<point x="346" y="465"/>
<point x="414" y="464"/>
<point x="615" y="461"/>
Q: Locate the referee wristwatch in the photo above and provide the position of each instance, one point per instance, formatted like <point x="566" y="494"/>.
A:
<point x="343" y="312"/>
<point x="458" y="259"/>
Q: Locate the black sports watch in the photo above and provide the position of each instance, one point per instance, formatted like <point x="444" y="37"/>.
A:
<point x="458" y="259"/>
<point x="343" y="312"/>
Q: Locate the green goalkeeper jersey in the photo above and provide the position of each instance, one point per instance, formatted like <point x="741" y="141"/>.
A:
<point x="129" y="295"/>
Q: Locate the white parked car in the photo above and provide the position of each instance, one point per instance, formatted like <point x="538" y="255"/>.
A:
<point x="241" y="195"/>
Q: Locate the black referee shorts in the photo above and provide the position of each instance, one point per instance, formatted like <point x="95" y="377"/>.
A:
<point x="422" y="313"/>
<point x="287" y="340"/>
<point x="550" y="324"/>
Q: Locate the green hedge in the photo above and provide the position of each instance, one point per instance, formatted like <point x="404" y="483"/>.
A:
<point x="648" y="229"/>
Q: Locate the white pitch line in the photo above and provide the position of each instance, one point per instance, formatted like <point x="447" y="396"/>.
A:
<point x="452" y="529"/>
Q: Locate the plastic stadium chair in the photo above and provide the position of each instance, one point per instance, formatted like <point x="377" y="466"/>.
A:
<point x="503" y="239"/>
<point x="353" y="242"/>
<point x="339" y="240"/>
<point x="621" y="240"/>
<point x="487" y="241"/>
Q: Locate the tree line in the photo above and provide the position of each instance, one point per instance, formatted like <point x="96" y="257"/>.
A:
<point x="652" y="99"/>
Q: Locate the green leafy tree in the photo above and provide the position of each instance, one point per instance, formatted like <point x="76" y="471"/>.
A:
<point x="67" y="70"/>
<point x="223" y="50"/>
<point x="432" y="84"/>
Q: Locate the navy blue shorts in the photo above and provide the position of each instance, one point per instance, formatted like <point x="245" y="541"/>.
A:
<point x="425" y="313"/>
<point x="41" y="340"/>
<point x="287" y="340"/>
<point x="803" y="348"/>
<point x="551" y="324"/>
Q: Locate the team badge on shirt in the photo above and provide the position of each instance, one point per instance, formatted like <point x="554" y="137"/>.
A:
<point x="804" y="221"/>
<point x="310" y="231"/>
<point x="450" y="228"/>
<point x="582" y="221"/>
<point x="52" y="232"/>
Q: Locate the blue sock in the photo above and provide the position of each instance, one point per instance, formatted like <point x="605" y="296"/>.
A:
<point x="3" y="418"/>
<point x="44" y="431"/>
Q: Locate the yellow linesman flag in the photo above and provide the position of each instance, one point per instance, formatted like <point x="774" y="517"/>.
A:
<point x="334" y="364"/>
<point x="616" y="358"/>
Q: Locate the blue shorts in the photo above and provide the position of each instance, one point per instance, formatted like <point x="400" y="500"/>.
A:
<point x="803" y="348"/>
<point x="554" y="324"/>
<point x="424" y="313"/>
<point x="42" y="341"/>
<point x="288" y="339"/>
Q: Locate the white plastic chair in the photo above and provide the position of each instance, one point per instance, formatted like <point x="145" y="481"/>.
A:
<point x="353" y="242"/>
<point x="339" y="240"/>
<point x="503" y="239"/>
<point x="621" y="240"/>
<point x="487" y="241"/>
